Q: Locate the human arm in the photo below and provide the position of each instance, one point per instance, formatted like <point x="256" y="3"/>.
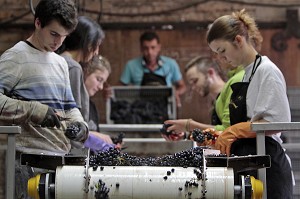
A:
<point x="178" y="128"/>
<point x="14" y="108"/>
<point x="231" y="134"/>
<point x="107" y="91"/>
<point x="174" y="136"/>
<point x="180" y="88"/>
<point x="223" y="100"/>
<point x="75" y="75"/>
<point x="18" y="112"/>
<point x="188" y="125"/>
<point x="96" y="143"/>
<point x="79" y="91"/>
<point x="177" y="81"/>
<point x="104" y="137"/>
<point x="266" y="95"/>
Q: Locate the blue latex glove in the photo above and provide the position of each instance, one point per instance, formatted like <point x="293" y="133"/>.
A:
<point x="96" y="144"/>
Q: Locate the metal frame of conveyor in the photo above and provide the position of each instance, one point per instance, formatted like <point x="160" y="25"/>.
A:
<point x="11" y="132"/>
<point x="261" y="129"/>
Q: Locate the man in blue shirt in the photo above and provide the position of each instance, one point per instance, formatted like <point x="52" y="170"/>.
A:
<point x="152" y="68"/>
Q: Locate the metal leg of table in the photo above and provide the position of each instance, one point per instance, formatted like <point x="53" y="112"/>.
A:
<point x="10" y="166"/>
<point x="11" y="132"/>
<point x="261" y="150"/>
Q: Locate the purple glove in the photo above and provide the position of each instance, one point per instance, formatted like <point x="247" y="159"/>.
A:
<point x="96" y="144"/>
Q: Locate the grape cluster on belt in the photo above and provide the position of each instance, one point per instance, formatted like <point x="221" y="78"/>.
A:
<point x="113" y="157"/>
<point x="101" y="190"/>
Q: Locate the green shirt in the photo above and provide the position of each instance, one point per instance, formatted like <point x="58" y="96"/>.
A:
<point x="223" y="100"/>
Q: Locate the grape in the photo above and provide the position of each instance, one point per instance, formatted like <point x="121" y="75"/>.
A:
<point x="72" y="130"/>
<point x="114" y="157"/>
<point x="118" y="139"/>
<point x="101" y="190"/>
<point x="164" y="131"/>
<point x="200" y="136"/>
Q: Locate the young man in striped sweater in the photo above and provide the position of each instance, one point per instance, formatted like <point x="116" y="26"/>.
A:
<point x="35" y="89"/>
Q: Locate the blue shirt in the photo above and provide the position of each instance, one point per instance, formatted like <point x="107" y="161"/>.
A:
<point x="134" y="71"/>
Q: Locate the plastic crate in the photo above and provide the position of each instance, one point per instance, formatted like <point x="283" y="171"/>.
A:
<point x="141" y="105"/>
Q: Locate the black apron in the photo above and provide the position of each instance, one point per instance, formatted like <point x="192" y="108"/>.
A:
<point x="151" y="79"/>
<point x="279" y="177"/>
<point x="215" y="120"/>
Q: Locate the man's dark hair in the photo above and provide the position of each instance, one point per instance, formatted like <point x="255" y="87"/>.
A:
<point x="64" y="11"/>
<point x="149" y="36"/>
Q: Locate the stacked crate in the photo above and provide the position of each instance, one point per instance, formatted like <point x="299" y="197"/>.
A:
<point x="141" y="105"/>
<point x="134" y="105"/>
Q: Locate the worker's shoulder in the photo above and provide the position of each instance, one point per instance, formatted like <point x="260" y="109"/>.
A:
<point x="166" y="58"/>
<point x="134" y="61"/>
<point x="168" y="61"/>
<point x="16" y="50"/>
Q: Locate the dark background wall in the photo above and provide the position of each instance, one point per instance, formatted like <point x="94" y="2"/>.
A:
<point x="181" y="25"/>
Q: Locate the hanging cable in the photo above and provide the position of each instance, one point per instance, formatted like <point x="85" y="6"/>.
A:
<point x="100" y="11"/>
<point x="31" y="7"/>
<point x="189" y="5"/>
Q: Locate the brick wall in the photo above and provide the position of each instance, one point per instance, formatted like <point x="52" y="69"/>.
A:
<point x="157" y="10"/>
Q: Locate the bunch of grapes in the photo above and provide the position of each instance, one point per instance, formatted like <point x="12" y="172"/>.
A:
<point x="118" y="139"/>
<point x="72" y="130"/>
<point x="113" y="157"/>
<point x="200" y="136"/>
<point x="101" y="190"/>
<point x="164" y="131"/>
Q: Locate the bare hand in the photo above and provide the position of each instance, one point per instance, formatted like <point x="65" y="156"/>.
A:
<point x="174" y="136"/>
<point x="177" y="126"/>
<point x="107" y="91"/>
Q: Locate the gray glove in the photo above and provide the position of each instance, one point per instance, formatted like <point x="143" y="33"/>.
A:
<point x="51" y="119"/>
<point x="77" y="131"/>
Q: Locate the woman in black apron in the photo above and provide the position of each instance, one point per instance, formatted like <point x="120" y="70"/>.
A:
<point x="279" y="183"/>
<point x="230" y="37"/>
<point x="151" y="79"/>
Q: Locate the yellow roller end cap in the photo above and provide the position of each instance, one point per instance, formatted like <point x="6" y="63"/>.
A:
<point x="33" y="187"/>
<point x="257" y="188"/>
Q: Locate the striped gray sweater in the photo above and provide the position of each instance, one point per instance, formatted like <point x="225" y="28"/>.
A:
<point x="30" y="81"/>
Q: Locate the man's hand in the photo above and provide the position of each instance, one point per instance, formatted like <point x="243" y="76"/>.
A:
<point x="170" y="135"/>
<point x="174" y="136"/>
<point x="107" y="91"/>
<point x="177" y="126"/>
<point x="51" y="119"/>
<point x="77" y="131"/>
<point x="231" y="134"/>
<point x="178" y="100"/>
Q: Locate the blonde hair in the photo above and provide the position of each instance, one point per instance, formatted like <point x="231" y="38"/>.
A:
<point x="228" y="27"/>
<point x="203" y="63"/>
<point x="98" y="62"/>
